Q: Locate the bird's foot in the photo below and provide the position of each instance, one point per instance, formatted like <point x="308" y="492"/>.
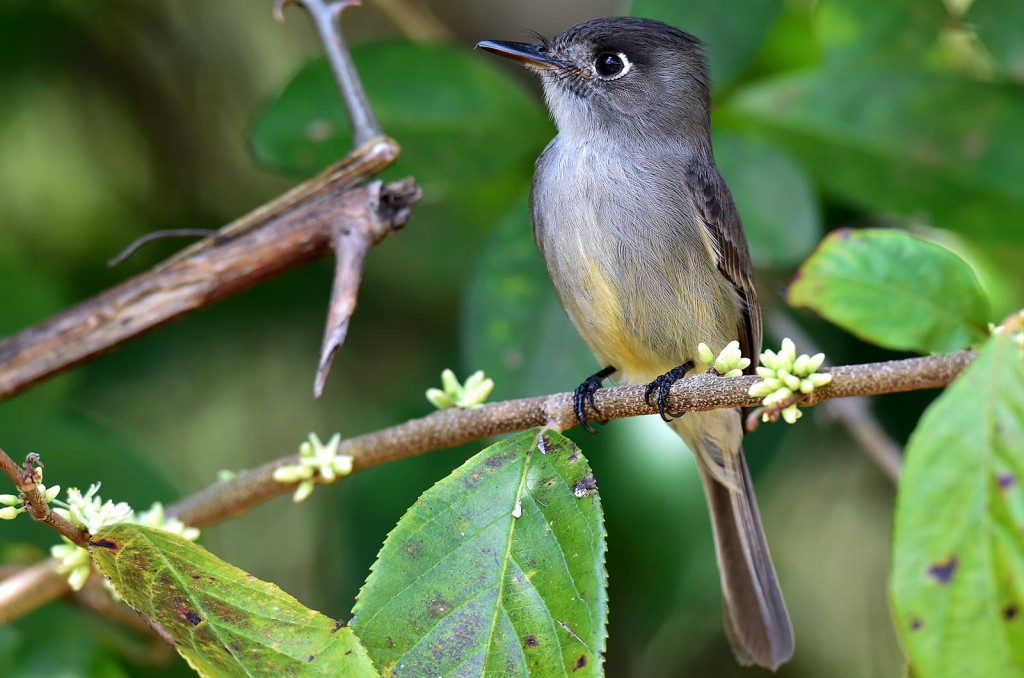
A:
<point x="663" y="385"/>
<point x="584" y="396"/>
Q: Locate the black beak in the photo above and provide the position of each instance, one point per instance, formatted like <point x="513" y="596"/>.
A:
<point x="531" y="55"/>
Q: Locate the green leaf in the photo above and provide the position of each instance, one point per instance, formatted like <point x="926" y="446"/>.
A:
<point x="464" y="587"/>
<point x="774" y="197"/>
<point x="461" y="118"/>
<point x="513" y="327"/>
<point x="891" y="288"/>
<point x="732" y="31"/>
<point x="860" y="31"/>
<point x="896" y="139"/>
<point x="998" y="23"/>
<point x="224" y="622"/>
<point x="958" y="556"/>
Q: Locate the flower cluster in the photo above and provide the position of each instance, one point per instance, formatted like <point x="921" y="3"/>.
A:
<point x="785" y="374"/>
<point x="729" y="363"/>
<point x="471" y="394"/>
<point x="90" y="512"/>
<point x="317" y="461"/>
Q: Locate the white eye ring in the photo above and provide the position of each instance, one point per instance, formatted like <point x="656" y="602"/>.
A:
<point x="627" y="65"/>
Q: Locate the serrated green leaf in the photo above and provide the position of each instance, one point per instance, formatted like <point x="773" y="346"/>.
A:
<point x="513" y="327"/>
<point x="732" y="31"/>
<point x="896" y="290"/>
<point x="903" y="140"/>
<point x="958" y="556"/>
<point x="497" y="570"/>
<point x="224" y="621"/>
<point x="774" y="197"/>
<point x="998" y="23"/>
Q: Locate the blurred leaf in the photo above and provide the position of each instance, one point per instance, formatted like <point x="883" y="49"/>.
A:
<point x="63" y="640"/>
<point x="904" y="141"/>
<point x="223" y="620"/>
<point x="998" y="23"/>
<point x="29" y="294"/>
<point x="10" y="638"/>
<point x="891" y="288"/>
<point x="461" y="119"/>
<point x="464" y="585"/>
<point x="774" y="197"/>
<point x="958" y="562"/>
<point x="791" y="44"/>
<point x="881" y="32"/>
<point x="38" y="36"/>
<point x="513" y="327"/>
<point x="732" y="31"/>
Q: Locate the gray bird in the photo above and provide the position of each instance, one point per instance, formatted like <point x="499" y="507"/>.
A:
<point x="647" y="253"/>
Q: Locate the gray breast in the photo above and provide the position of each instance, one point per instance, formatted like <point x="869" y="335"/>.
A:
<point x="632" y="265"/>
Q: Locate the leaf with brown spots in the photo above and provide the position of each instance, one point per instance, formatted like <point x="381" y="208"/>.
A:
<point x="509" y="576"/>
<point x="958" y="554"/>
<point x="223" y="621"/>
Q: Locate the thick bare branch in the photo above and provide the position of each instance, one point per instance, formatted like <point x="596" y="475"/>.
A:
<point x="297" y="227"/>
<point x="30" y="589"/>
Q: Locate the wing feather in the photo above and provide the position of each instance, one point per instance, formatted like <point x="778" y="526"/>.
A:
<point x="716" y="208"/>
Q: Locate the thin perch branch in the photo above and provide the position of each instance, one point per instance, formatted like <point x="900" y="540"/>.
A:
<point x="451" y="427"/>
<point x="40" y="583"/>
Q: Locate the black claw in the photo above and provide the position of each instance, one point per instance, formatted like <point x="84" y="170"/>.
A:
<point x="663" y="385"/>
<point x="584" y="395"/>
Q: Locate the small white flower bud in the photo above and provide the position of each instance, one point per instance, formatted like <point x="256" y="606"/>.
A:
<point x="303" y="491"/>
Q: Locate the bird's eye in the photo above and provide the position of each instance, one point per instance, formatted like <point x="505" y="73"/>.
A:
<point x="610" y="65"/>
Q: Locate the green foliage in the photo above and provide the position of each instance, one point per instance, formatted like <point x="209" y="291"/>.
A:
<point x="895" y="290"/>
<point x="957" y="169"/>
<point x="224" y="621"/>
<point x="498" y="569"/>
<point x="831" y="114"/>
<point x="730" y="43"/>
<point x="859" y="32"/>
<point x="958" y="561"/>
<point x="472" y="127"/>
<point x="998" y="24"/>
<point x="775" y="197"/>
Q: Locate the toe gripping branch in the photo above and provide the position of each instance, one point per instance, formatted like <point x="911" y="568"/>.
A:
<point x="584" y="396"/>
<point x="663" y="385"/>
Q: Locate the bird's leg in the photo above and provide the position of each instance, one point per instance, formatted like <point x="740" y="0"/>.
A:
<point x="663" y="385"/>
<point x="584" y="395"/>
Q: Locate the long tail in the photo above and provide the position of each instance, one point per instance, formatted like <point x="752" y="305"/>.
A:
<point x="756" y="620"/>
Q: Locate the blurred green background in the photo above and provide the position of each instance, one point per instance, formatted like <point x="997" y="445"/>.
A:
<point x="126" y="117"/>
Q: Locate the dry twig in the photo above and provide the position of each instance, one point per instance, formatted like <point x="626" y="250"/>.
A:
<point x="27" y="479"/>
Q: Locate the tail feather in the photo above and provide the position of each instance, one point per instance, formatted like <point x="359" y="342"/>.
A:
<point x="755" y="614"/>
